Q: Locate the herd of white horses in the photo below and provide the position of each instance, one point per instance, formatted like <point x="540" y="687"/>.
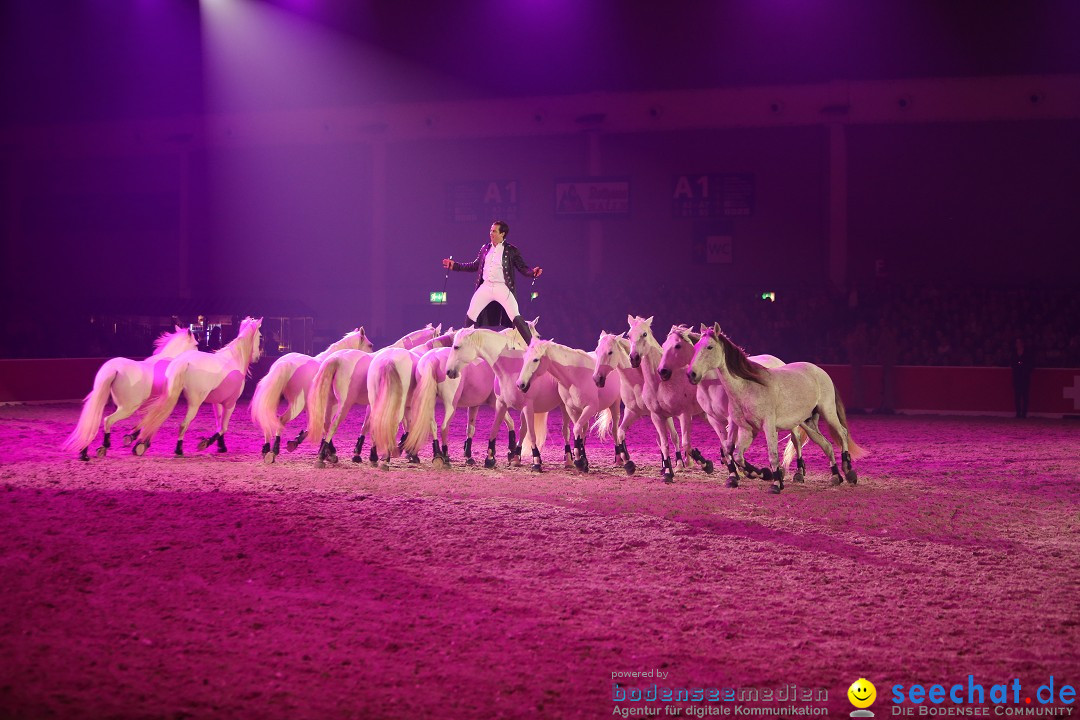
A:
<point x="630" y="375"/>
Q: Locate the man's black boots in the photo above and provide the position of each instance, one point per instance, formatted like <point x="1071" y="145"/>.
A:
<point x="523" y="328"/>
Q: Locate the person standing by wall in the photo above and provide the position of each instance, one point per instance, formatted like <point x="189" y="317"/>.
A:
<point x="1022" y="363"/>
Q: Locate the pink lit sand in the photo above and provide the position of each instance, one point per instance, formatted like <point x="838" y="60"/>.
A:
<point x="217" y="586"/>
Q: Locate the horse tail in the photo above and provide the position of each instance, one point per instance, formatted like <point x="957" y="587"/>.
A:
<point x="540" y="428"/>
<point x="264" y="403"/>
<point x="388" y="398"/>
<point x="854" y="448"/>
<point x="161" y="408"/>
<point x="93" y="409"/>
<point x="602" y="424"/>
<point x="798" y="435"/>
<point x="318" y="397"/>
<point x="423" y="407"/>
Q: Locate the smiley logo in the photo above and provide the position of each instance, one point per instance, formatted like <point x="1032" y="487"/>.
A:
<point x="862" y="693"/>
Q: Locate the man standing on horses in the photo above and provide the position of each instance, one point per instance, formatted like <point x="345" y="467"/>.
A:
<point x="495" y="277"/>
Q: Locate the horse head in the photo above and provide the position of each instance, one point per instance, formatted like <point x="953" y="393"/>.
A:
<point x="678" y="348"/>
<point x="611" y="353"/>
<point x="708" y="354"/>
<point x="463" y="350"/>
<point x="361" y="338"/>
<point x="534" y="360"/>
<point x="252" y="328"/>
<point x="176" y="342"/>
<point x="640" y="331"/>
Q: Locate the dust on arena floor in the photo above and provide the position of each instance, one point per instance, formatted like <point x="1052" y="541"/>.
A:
<point x="215" y="585"/>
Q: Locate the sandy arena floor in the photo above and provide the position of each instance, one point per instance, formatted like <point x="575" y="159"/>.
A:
<point x="214" y="586"/>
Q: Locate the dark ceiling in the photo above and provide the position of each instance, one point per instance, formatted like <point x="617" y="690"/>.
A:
<point x="91" y="60"/>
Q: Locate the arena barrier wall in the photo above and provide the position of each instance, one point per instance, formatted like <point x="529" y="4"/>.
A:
<point x="964" y="390"/>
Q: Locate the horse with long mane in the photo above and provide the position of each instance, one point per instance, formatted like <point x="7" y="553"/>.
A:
<point x="217" y="378"/>
<point x="534" y="405"/>
<point x="291" y="376"/>
<point x="678" y="350"/>
<point x="473" y="387"/>
<point x="345" y="372"/>
<point x="613" y="354"/>
<point x="582" y="398"/>
<point x="771" y="399"/>
<point x="130" y="383"/>
<point x="672" y="399"/>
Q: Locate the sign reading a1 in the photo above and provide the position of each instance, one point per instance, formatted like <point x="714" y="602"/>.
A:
<point x="482" y="200"/>
<point x="713" y="195"/>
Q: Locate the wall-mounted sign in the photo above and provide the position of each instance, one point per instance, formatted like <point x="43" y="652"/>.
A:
<point x="482" y="200"/>
<point x="592" y="196"/>
<point x="712" y="195"/>
<point x="714" y="243"/>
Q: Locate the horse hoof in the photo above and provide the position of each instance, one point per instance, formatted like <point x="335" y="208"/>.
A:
<point x="438" y="462"/>
<point x="851" y="477"/>
<point x="669" y="477"/>
<point x="538" y="467"/>
<point x="629" y="467"/>
<point x="733" y="482"/>
<point x="414" y="459"/>
<point x="332" y="459"/>
<point x="384" y="466"/>
<point x="291" y="445"/>
<point x="320" y="463"/>
<point x="470" y="462"/>
<point x="489" y="463"/>
<point x="178" y="452"/>
<point x="100" y="452"/>
<point x="708" y="467"/>
<point x="836" y="480"/>
<point x="268" y="458"/>
<point x="583" y="467"/>
<point x="357" y="459"/>
<point x="579" y="464"/>
<point x="798" y="477"/>
<point x="139" y="449"/>
<point x="128" y="439"/>
<point x="203" y="444"/>
<point x="774" y="489"/>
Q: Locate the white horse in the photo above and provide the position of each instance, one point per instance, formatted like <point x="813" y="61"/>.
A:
<point x="534" y="405"/>
<point x="130" y="383"/>
<point x="671" y="399"/>
<point x="771" y="399"/>
<point x="216" y="378"/>
<point x="473" y="387"/>
<point x="291" y="376"/>
<point x="389" y="384"/>
<point x="678" y="349"/>
<point x="582" y="398"/>
<point x="613" y="353"/>
<point x="345" y="373"/>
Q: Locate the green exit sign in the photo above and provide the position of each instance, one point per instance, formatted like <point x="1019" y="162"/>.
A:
<point x="438" y="298"/>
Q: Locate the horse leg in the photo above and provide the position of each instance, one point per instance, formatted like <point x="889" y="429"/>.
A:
<point x="800" y="466"/>
<point x="628" y="419"/>
<point x="227" y="409"/>
<point x="741" y="438"/>
<point x="470" y="430"/>
<point x="661" y="425"/>
<point x="840" y="432"/>
<point x="489" y="461"/>
<point x="192" y="409"/>
<point x="122" y="412"/>
<point x="827" y="448"/>
<point x="775" y="472"/>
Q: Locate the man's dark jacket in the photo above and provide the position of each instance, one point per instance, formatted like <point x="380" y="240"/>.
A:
<point x="511" y="258"/>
